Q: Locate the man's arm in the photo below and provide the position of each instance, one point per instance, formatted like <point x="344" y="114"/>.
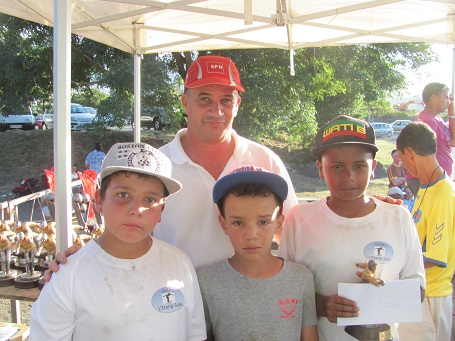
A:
<point x="451" y="116"/>
<point x="335" y="306"/>
<point x="60" y="258"/>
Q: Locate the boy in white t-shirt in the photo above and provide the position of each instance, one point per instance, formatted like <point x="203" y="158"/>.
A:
<point x="332" y="235"/>
<point x="254" y="295"/>
<point x="125" y="285"/>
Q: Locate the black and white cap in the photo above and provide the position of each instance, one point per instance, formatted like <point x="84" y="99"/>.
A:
<point x="139" y="158"/>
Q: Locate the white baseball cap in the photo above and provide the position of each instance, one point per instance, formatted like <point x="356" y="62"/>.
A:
<point x="139" y="158"/>
<point x="395" y="190"/>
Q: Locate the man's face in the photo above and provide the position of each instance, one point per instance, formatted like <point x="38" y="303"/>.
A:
<point x="441" y="101"/>
<point x="211" y="111"/>
<point x="407" y="161"/>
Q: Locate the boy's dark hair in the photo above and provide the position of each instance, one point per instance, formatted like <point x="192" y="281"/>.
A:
<point x="418" y="136"/>
<point x="433" y="89"/>
<point x="98" y="146"/>
<point x="106" y="181"/>
<point x="393" y="152"/>
<point x="250" y="190"/>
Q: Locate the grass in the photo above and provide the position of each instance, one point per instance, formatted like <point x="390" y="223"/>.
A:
<point x="378" y="186"/>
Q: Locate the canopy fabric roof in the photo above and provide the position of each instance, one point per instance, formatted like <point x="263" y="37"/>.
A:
<point x="145" y="26"/>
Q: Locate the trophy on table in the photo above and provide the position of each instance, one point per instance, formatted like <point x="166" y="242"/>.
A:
<point x="370" y="332"/>
<point x="26" y="249"/>
<point x="46" y="251"/>
<point x="7" y="275"/>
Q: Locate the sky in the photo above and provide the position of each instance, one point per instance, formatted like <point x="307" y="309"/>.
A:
<point x="441" y="72"/>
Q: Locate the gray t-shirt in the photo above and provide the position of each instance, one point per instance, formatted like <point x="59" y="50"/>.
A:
<point x="242" y="308"/>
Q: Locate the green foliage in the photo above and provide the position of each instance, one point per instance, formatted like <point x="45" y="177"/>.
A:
<point x="90" y="97"/>
<point x="115" y="110"/>
<point x="25" y="62"/>
<point x="329" y="81"/>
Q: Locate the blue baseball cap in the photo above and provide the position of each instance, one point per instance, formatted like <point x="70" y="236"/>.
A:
<point x="250" y="174"/>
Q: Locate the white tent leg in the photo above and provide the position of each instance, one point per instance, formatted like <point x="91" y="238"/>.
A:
<point x="62" y="131"/>
<point x="137" y="97"/>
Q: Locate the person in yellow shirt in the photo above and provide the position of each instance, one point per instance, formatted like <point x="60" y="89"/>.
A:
<point x="434" y="217"/>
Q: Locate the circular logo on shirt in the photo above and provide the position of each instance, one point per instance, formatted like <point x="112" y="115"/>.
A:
<point x="378" y="251"/>
<point x="168" y="300"/>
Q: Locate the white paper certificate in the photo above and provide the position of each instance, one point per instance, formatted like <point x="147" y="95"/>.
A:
<point x="396" y="301"/>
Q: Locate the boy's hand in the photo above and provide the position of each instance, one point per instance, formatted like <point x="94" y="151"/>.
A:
<point x="61" y="258"/>
<point x="336" y="306"/>
<point x="388" y="199"/>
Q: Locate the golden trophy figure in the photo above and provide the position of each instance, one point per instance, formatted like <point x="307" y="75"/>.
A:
<point x="7" y="274"/>
<point x="370" y="332"/>
<point x="47" y="250"/>
<point x="26" y="248"/>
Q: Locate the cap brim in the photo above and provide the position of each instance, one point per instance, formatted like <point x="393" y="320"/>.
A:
<point x="173" y="186"/>
<point x="214" y="81"/>
<point x="317" y="152"/>
<point x="274" y="181"/>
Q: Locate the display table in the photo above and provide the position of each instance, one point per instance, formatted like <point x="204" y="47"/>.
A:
<point x="22" y="331"/>
<point x="15" y="296"/>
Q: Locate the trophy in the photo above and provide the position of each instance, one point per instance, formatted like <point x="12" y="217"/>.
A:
<point x="26" y="249"/>
<point x="370" y="332"/>
<point x="7" y="275"/>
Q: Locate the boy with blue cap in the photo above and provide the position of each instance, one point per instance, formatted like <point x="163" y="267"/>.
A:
<point x="254" y="295"/>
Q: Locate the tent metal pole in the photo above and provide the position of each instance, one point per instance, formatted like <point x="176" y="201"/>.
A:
<point x="62" y="121"/>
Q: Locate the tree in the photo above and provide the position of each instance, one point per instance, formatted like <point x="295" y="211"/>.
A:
<point x="329" y="81"/>
<point x="25" y="63"/>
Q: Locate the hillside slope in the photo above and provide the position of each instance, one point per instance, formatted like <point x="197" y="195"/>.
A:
<point x="27" y="153"/>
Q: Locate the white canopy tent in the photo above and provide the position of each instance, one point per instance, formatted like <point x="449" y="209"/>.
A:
<point x="148" y="26"/>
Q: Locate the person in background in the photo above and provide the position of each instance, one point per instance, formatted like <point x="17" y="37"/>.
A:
<point x="437" y="100"/>
<point x="95" y="158"/>
<point x="125" y="284"/>
<point x="396" y="193"/>
<point x="408" y="199"/>
<point x="74" y="175"/>
<point x="434" y="218"/>
<point x="254" y="295"/>
<point x="396" y="172"/>
<point x="330" y="236"/>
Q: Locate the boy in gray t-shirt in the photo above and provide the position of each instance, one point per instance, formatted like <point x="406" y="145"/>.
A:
<point x="254" y="295"/>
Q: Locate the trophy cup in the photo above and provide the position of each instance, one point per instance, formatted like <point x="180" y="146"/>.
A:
<point x="28" y="279"/>
<point x="7" y="275"/>
<point x="370" y="332"/>
<point x="46" y="251"/>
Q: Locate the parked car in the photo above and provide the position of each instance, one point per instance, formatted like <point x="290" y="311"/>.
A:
<point x="154" y="117"/>
<point x="44" y="121"/>
<point x="398" y="125"/>
<point x="91" y="110"/>
<point x="20" y="118"/>
<point x="81" y="119"/>
<point x="382" y="129"/>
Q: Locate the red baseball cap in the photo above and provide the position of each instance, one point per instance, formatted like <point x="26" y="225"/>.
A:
<point x="208" y="70"/>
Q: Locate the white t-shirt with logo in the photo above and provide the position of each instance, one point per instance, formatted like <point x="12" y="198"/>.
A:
<point x="331" y="245"/>
<point x="99" y="297"/>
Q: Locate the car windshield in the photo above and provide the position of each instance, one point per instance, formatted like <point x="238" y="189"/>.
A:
<point x="78" y="109"/>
